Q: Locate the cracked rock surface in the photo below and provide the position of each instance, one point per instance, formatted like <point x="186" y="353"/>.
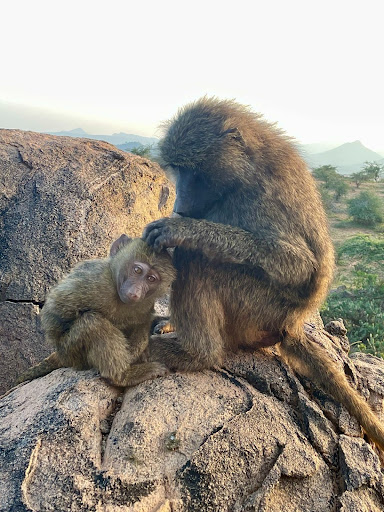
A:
<point x="62" y="200"/>
<point x="247" y="437"/>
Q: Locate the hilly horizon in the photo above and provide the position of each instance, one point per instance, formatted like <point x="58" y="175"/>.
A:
<point x="115" y="139"/>
<point x="318" y="147"/>
<point x="348" y="158"/>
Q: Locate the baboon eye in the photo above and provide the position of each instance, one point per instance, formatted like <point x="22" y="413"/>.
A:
<point x="138" y="269"/>
<point x="151" y="278"/>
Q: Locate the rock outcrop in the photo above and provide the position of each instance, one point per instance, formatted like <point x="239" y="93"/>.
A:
<point x="62" y="200"/>
<point x="247" y="437"/>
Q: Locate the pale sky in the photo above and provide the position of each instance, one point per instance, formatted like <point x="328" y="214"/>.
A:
<point x="315" y="67"/>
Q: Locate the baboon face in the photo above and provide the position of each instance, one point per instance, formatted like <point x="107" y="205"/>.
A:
<point x="137" y="280"/>
<point x="195" y="196"/>
<point x="134" y="273"/>
<point x="203" y="152"/>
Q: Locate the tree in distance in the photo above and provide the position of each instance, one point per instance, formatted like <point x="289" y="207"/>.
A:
<point x="325" y="173"/>
<point x="359" y="177"/>
<point x="332" y="180"/>
<point x="373" y="170"/>
<point x="144" y="151"/>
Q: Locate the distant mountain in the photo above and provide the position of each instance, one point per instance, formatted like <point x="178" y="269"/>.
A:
<point x="348" y="158"/>
<point x="77" y="132"/>
<point x="317" y="147"/>
<point x="115" y="139"/>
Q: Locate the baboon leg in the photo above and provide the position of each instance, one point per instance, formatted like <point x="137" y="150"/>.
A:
<point x="99" y="344"/>
<point x="137" y="344"/>
<point x="112" y="353"/>
<point x="199" y="322"/>
<point x="139" y="373"/>
<point x="312" y="361"/>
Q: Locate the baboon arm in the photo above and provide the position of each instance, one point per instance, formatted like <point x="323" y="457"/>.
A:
<point x="127" y="374"/>
<point x="94" y="342"/>
<point x="286" y="262"/>
<point x="137" y="341"/>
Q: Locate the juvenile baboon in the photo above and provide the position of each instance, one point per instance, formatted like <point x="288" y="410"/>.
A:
<point x="100" y="315"/>
<point x="253" y="251"/>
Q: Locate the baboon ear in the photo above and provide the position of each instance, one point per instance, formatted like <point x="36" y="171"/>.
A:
<point x="119" y="244"/>
<point x="234" y="133"/>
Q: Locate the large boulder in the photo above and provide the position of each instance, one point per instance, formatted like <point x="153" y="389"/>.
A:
<point x="250" y="436"/>
<point x="247" y="437"/>
<point x="62" y="200"/>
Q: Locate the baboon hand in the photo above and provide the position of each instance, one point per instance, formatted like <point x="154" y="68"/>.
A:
<point x="163" y="327"/>
<point x="164" y="233"/>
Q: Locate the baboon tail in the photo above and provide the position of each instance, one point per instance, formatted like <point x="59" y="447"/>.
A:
<point x="311" y="360"/>
<point x="45" y="366"/>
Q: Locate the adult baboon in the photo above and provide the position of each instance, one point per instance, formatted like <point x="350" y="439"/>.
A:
<point x="253" y="251"/>
<point x="100" y="315"/>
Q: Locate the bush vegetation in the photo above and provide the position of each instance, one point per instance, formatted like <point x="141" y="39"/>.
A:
<point x="144" y="151"/>
<point x="366" y="208"/>
<point x="360" y="302"/>
<point x="355" y="209"/>
<point x="331" y="180"/>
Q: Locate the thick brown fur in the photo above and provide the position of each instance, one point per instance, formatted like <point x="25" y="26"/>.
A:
<point x="91" y="327"/>
<point x="253" y="252"/>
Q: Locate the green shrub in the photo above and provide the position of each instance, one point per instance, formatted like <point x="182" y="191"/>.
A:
<point x="362" y="310"/>
<point x="366" y="248"/>
<point x="361" y="305"/>
<point x="366" y="208"/>
<point x="144" y="151"/>
<point x="340" y="186"/>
